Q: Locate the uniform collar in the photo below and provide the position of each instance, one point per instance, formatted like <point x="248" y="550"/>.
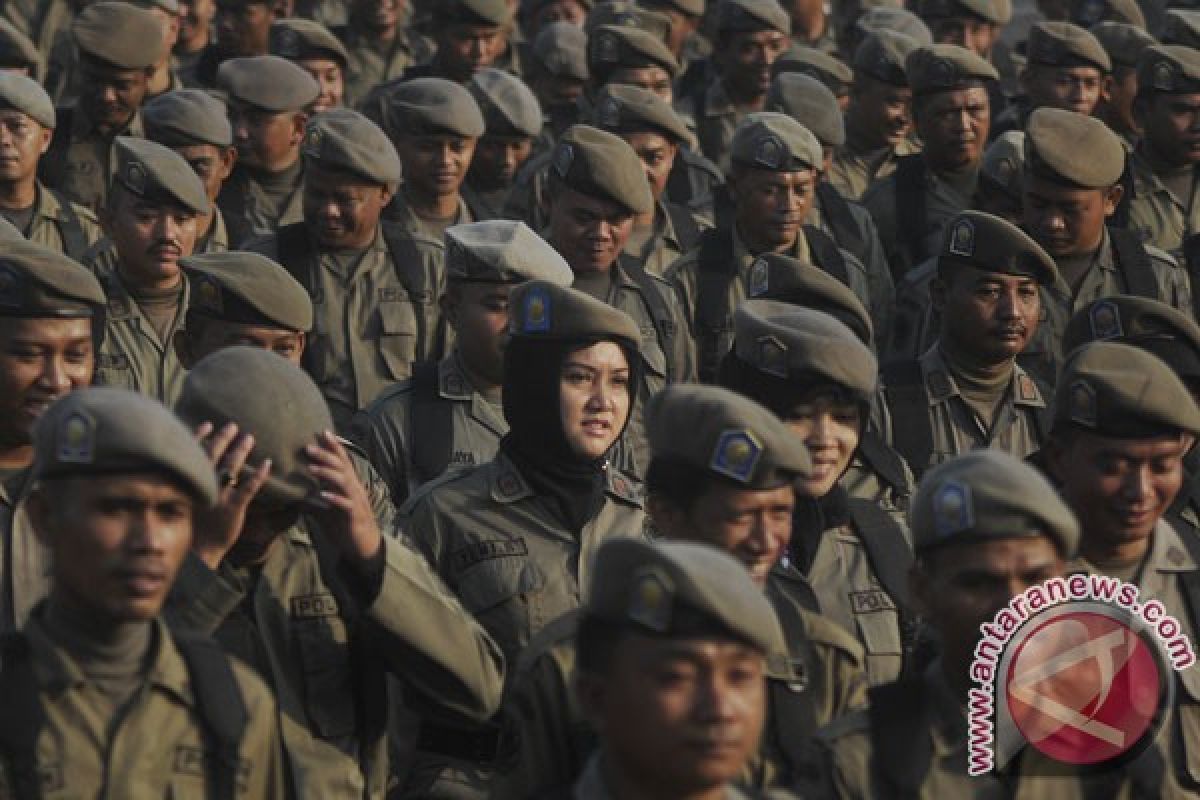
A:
<point x="591" y="784"/>
<point x="452" y="380"/>
<point x="940" y="384"/>
<point x="716" y="100"/>
<point x="509" y="486"/>
<point x="46" y="204"/>
<point x="82" y="126"/>
<point x="1167" y="553"/>
<point x="744" y="258"/>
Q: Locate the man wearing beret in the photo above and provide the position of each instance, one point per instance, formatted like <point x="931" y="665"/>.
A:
<point x="685" y="41"/>
<point x="537" y="15"/>
<point x="50" y="323"/>
<point x="95" y="683"/>
<point x="194" y="124"/>
<point x="243" y="29"/>
<point x="557" y="72"/>
<point x="162" y="76"/>
<point x="313" y="48"/>
<point x="195" y="34"/>
<point x="17" y="53"/>
<point x="379" y="46"/>
<point x="1124" y="45"/>
<point x="627" y="44"/>
<point x="375" y="288"/>
<point x="986" y="527"/>
<point x="512" y="121"/>
<point x="469" y="35"/>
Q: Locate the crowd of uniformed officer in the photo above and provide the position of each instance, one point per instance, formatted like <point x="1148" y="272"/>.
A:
<point x="569" y="399"/>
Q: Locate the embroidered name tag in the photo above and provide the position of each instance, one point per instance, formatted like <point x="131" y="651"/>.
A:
<point x="194" y="761"/>
<point x="314" y="606"/>
<point x="870" y="601"/>
<point x="462" y="458"/>
<point x="478" y="552"/>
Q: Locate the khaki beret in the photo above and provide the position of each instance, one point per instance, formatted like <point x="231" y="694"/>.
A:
<point x="268" y="82"/>
<point x="544" y="310"/>
<point x="425" y="106"/>
<point x="624" y="14"/>
<point x="119" y="33"/>
<point x="693" y="8"/>
<point x="269" y="397"/>
<point x="987" y="10"/>
<point x="530" y="7"/>
<point x="169" y="6"/>
<point x="1003" y="164"/>
<point x="296" y="38"/>
<point x="752" y="15"/>
<point x="1181" y="26"/>
<point x="1122" y="391"/>
<point x="186" y="117"/>
<point x="1142" y="322"/>
<point x="36" y="281"/>
<point x="509" y="107"/>
<point x="803" y="97"/>
<point x="789" y="280"/>
<point x="991" y="244"/>
<point x="810" y="61"/>
<point x="788" y="341"/>
<point x="723" y="432"/>
<point x="247" y="288"/>
<point x="27" y="96"/>
<point x="776" y="142"/>
<point x="1061" y="44"/>
<point x="18" y="50"/>
<point x="502" y="251"/>
<point x="1123" y="42"/>
<point x="945" y="67"/>
<point x="1087" y="13"/>
<point x="882" y="56"/>
<point x="602" y="164"/>
<point x="616" y="46"/>
<point x="561" y="49"/>
<point x="105" y="431"/>
<point x="345" y="141"/>
<point x="629" y="109"/>
<point x="895" y="20"/>
<point x="472" y="12"/>
<point x="158" y="174"/>
<point x="1170" y="68"/>
<point x="1073" y="148"/>
<point x="683" y="589"/>
<point x="988" y="494"/>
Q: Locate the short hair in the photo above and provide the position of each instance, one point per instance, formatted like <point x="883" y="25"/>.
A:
<point x="679" y="483"/>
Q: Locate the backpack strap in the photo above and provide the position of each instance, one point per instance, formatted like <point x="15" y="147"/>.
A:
<point x="70" y="228"/>
<point x="885" y="461"/>
<point x="826" y="253"/>
<point x="687" y="230"/>
<point x="900" y="737"/>
<point x="292" y="247"/>
<point x="403" y="251"/>
<point x="1189" y="582"/>
<point x="1133" y="262"/>
<point x="432" y="420"/>
<point x="1191" y="261"/>
<point x="660" y="313"/>
<point x="23" y="717"/>
<point x="835" y="210"/>
<point x="715" y="274"/>
<point x="1120" y="216"/>
<point x="793" y="718"/>
<point x="904" y="390"/>
<point x="887" y="548"/>
<point x="911" y="212"/>
<point x="221" y="707"/>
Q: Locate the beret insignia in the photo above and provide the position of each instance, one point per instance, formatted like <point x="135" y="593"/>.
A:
<point x="135" y="177"/>
<point x="606" y="48"/>
<point x="769" y="153"/>
<point x="535" y="316"/>
<point x="1083" y="404"/>
<point x="287" y="43"/>
<point x="953" y="509"/>
<point x="312" y="142"/>
<point x="650" y="601"/>
<point x="1164" y="76"/>
<point x="962" y="239"/>
<point x="76" y="439"/>
<point x="759" y="277"/>
<point x="1105" y="319"/>
<point x="773" y="356"/>
<point x="735" y="455"/>
<point x="609" y="113"/>
<point x="564" y="156"/>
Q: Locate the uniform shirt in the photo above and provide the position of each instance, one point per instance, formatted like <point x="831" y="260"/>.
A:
<point x="399" y="212"/>
<point x="216" y="240"/>
<point x="252" y="210"/>
<point x="591" y="786"/>
<point x="1155" y="213"/>
<point x="157" y="745"/>
<point x="881" y="288"/>
<point x="663" y="246"/>
<point x="484" y="204"/>
<point x="52" y="218"/>
<point x="855" y="167"/>
<point x="291" y="625"/>
<point x="716" y="117"/>
<point x="25" y="568"/>
<point x="369" y="67"/>
<point x="81" y="166"/>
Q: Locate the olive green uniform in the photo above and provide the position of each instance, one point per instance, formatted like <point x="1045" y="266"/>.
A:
<point x="855" y="168"/>
<point x="850" y="225"/>
<point x="62" y="225"/>
<point x="79" y="162"/>
<point x="217" y="238"/>
<point x="24" y="560"/>
<point x="591" y="786"/>
<point x="367" y="67"/>
<point x="1155" y="213"/>
<point x="251" y="211"/>
<point x="667" y="241"/>
<point x="716" y="117"/>
<point x="400" y="213"/>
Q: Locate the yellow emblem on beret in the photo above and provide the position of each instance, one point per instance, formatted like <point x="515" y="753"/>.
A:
<point x="76" y="438"/>
<point x="962" y="239"/>
<point x="135" y="177"/>
<point x="650" y="598"/>
<point x="769" y="153"/>
<point x="735" y="455"/>
<point x="1105" y="319"/>
<point x="760" y="277"/>
<point x="208" y="294"/>
<point x="1164" y="76"/>
<point x="536" y="313"/>
<point x="1083" y="408"/>
<point x="773" y="356"/>
<point x="953" y="509"/>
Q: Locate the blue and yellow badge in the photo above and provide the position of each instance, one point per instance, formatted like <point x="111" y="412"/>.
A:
<point x="1105" y="319"/>
<point x="1083" y="407"/>
<point x="769" y="152"/>
<point x="207" y="294"/>
<point x="312" y="141"/>
<point x="735" y="455"/>
<point x="135" y="177"/>
<point x="760" y="277"/>
<point x="962" y="239"/>
<point x="953" y="509"/>
<point x="650" y="600"/>
<point x="535" y="312"/>
<point x="76" y="439"/>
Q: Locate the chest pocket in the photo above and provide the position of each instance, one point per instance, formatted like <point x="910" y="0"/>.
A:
<point x="115" y="370"/>
<point x="878" y="627"/>
<point x="324" y="649"/>
<point x="397" y="333"/>
<point x="504" y="594"/>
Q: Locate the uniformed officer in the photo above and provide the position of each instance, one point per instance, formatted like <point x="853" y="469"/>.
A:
<point x="97" y="693"/>
<point x="968" y="391"/>
<point x="194" y="124"/>
<point x="118" y="44"/>
<point x="951" y="114"/>
<point x="1089" y="13"/>
<point x="313" y="48"/>
<point x="1124" y="45"/>
<point x="195" y="33"/>
<point x="19" y="54"/>
<point x="973" y="24"/>
<point x="1162" y="208"/>
<point x="829" y="70"/>
<point x="243" y="29"/>
<point x="721" y="475"/>
<point x="776" y="163"/>
<point x="448" y="416"/>
<point x="379" y="46"/>
<point x="374" y="287"/>
<point x="162" y="74"/>
<point x="153" y="206"/>
<point x="878" y="117"/>
<point x="811" y="25"/>
<point x="892" y="18"/>
<point x="999" y="190"/>
<point x="293" y="575"/>
<point x="537" y="15"/>
<point x="468" y="35"/>
<point x="50" y="319"/>
<point x="512" y="123"/>
<point x="267" y="98"/>
<point x="986" y="527"/>
<point x="628" y="45"/>
<point x="43" y="215"/>
<point x="557" y="72"/>
<point x="848" y="556"/>
<point x="685" y="41"/>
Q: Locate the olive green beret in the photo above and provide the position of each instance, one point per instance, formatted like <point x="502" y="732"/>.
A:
<point x="1123" y="42"/>
<point x="27" y="96"/>
<point x="244" y="287"/>
<point x="561" y="49"/>
<point x="681" y="589"/>
<point x="988" y="494"/>
<point x="895" y="20"/>
<point x="296" y="38"/>
<point x="945" y="67"/>
<point x="628" y="109"/>
<point x="1181" y="26"/>
<point x="105" y="431"/>
<point x="986" y="242"/>
<point x="17" y="50"/>
<point x="269" y="397"/>
<point x="778" y="277"/>
<point x="752" y="15"/>
<point x="1073" y="148"/>
<point x="545" y="310"/>
<point x="1122" y="391"/>
<point x="36" y="281"/>
<point x="9" y="232"/>
<point x="120" y="34"/>
<point x="430" y="106"/>
<point x="158" y="174"/>
<point x="185" y="117"/>
<point x="169" y="6"/>
<point x="602" y="164"/>
<point x="776" y="142"/>
<point x="1087" y="13"/>
<point x="810" y="61"/>
<point x="725" y="433"/>
<point x="509" y="107"/>
<point x="502" y="251"/>
<point x="1061" y="44"/>
<point x="987" y="10"/>
<point x="268" y="82"/>
<point x="693" y="8"/>
<point x="788" y="341"/>
<point x="1140" y="321"/>
<point x="1170" y="68"/>
<point x="803" y="97"/>
<point x="882" y="56"/>
<point x="345" y="141"/>
<point x="624" y="14"/>
<point x="529" y="7"/>
<point x="1003" y="164"/>
<point x="472" y="12"/>
<point x="615" y="46"/>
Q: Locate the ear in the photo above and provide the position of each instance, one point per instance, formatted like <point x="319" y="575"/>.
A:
<point x="1106" y="89"/>
<point x="387" y="195"/>
<point x="590" y="693"/>
<point x="47" y="137"/>
<point x="302" y="342"/>
<point x="299" y="122"/>
<point x="183" y="348"/>
<point x="1112" y="199"/>
<point x="228" y="161"/>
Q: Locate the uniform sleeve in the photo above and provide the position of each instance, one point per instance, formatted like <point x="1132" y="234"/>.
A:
<point x="682" y="343"/>
<point x="880" y="286"/>
<point x="837" y="761"/>
<point x="261" y="743"/>
<point x="880" y="202"/>
<point x="201" y="599"/>
<point x="379" y="431"/>
<point x="1175" y="282"/>
<point x="377" y="491"/>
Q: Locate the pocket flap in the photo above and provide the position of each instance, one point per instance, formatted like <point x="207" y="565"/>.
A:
<point x="492" y="583"/>
<point x="397" y="318"/>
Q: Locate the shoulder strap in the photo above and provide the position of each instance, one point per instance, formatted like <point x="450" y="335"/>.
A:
<point x="220" y="705"/>
<point x="70" y="228"/>
<point x="839" y="218"/>
<point x="904" y="388"/>
<point x="431" y="440"/>
<point x="886" y="462"/>
<point x="826" y="254"/>
<point x="1134" y="263"/>
<point x="793" y="715"/>
<point x="911" y="216"/>
<point x="713" y="314"/>
<point x="887" y="548"/>
<point x="660" y="314"/>
<point x="23" y="716"/>
<point x="900" y="737"/>
<point x="1120" y="217"/>
<point x="291" y="244"/>
<point x="687" y="231"/>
